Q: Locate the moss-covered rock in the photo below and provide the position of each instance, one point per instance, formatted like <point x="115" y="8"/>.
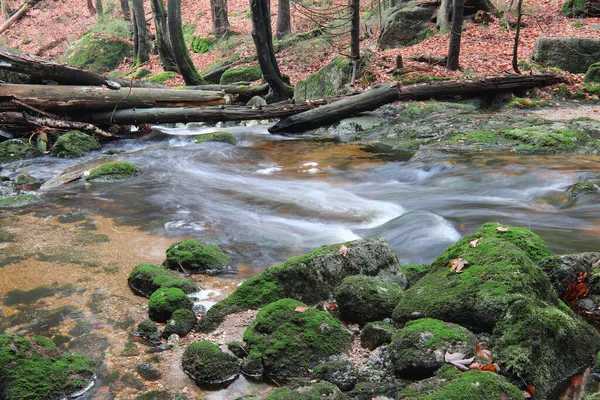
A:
<point x="593" y="74"/>
<point x="418" y="349"/>
<point x="342" y="374"/>
<point x="141" y="73"/>
<point x="74" y="144"/>
<point x="206" y="364"/>
<point x="571" y="54"/>
<point x="241" y="74"/>
<point x="373" y="390"/>
<point x="145" y="279"/>
<point x="181" y="323"/>
<point x="581" y="8"/>
<point x="161" y="77"/>
<point x="196" y="257"/>
<point x="201" y="45"/>
<point x="313" y="391"/>
<point x="36" y="370"/>
<point x="17" y="149"/>
<point x="414" y="272"/>
<point x="563" y="269"/>
<point x="146" y="328"/>
<point x="310" y="277"/>
<point x="406" y="24"/>
<point x="98" y="52"/>
<point x="582" y="188"/>
<point x="19" y="200"/>
<point x="252" y="367"/>
<point x="375" y="334"/>
<point x="329" y="81"/>
<point x="113" y="171"/>
<point x="289" y="342"/>
<point x="238" y="349"/>
<point x="223" y="137"/>
<point x="502" y="270"/>
<point x="148" y="371"/>
<point x="363" y="299"/>
<point x="165" y="301"/>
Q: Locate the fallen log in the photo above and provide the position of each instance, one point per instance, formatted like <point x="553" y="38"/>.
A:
<point x="236" y="90"/>
<point x="384" y="94"/>
<point x="69" y="99"/>
<point x="429" y="59"/>
<point x="60" y="124"/>
<point x="47" y="70"/>
<point x="18" y="15"/>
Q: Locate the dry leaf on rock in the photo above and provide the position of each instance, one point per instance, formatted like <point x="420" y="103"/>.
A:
<point x="481" y="352"/>
<point x="343" y="250"/>
<point x="302" y="309"/>
<point x="502" y="229"/>
<point x="460" y="366"/>
<point x="458" y="264"/>
<point x="474" y="243"/>
<point x="449" y="357"/>
<point x="596" y="264"/>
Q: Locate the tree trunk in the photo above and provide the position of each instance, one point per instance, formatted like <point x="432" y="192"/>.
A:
<point x="91" y="8"/>
<point x="182" y="56"/>
<point x="284" y="25"/>
<point x="6" y="11"/>
<point x="165" y="52"/>
<point x="126" y="10"/>
<point x="17" y="16"/>
<point x="140" y="33"/>
<point x="263" y="41"/>
<point x="443" y="16"/>
<point x="375" y="98"/>
<point x="515" y="60"/>
<point x="455" y="34"/>
<point x="220" y="20"/>
<point x="354" y="38"/>
<point x="99" y="8"/>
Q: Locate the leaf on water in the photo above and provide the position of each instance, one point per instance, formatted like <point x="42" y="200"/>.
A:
<point x="481" y="352"/>
<point x="474" y="243"/>
<point x="502" y="229"/>
<point x="596" y="264"/>
<point x="302" y="309"/>
<point x="458" y="264"/>
<point x="343" y="250"/>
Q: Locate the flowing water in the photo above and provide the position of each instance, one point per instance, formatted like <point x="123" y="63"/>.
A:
<point x="64" y="262"/>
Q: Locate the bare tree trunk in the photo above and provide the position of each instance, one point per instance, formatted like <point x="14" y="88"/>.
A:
<point x="99" y="8"/>
<point x="17" y="16"/>
<point x="455" y="34"/>
<point x="140" y="33"/>
<point x="354" y="38"/>
<point x="443" y="16"/>
<point x="180" y="51"/>
<point x="91" y="8"/>
<point x="165" y="52"/>
<point x="5" y="9"/>
<point x="283" y="19"/>
<point x="126" y="10"/>
<point x="263" y="41"/>
<point x="515" y="60"/>
<point x="220" y="21"/>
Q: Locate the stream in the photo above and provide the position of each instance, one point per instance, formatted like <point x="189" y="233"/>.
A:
<point x="264" y="200"/>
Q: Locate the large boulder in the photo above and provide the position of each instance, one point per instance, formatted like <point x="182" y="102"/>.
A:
<point x="181" y="323"/>
<point x="196" y="257"/>
<point x="98" y="52"/>
<point x="146" y="279"/>
<point x="331" y="80"/>
<point x="375" y="334"/>
<point x="74" y="144"/>
<point x="165" y="301"/>
<point x="564" y="269"/>
<point x="407" y="24"/>
<point x="17" y="149"/>
<point x="593" y="73"/>
<point x="290" y="338"/>
<point x="581" y="8"/>
<point x="575" y="55"/>
<point x="241" y="74"/>
<point x="206" y="364"/>
<point x="311" y="277"/>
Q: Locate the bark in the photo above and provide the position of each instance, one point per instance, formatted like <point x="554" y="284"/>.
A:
<point x="68" y="99"/>
<point x="375" y="98"/>
<point x="99" y="8"/>
<point x="126" y="10"/>
<point x="220" y="21"/>
<point x="60" y="124"/>
<point x="284" y="26"/>
<point x="242" y="92"/>
<point x="141" y="33"/>
<point x="515" y="60"/>
<point x="91" y="8"/>
<point x="165" y="52"/>
<point x="443" y="16"/>
<point x="182" y="56"/>
<point x="354" y="38"/>
<point x="47" y="70"/>
<point x="5" y="10"/>
<point x="17" y="16"/>
<point x="262" y="36"/>
<point x="455" y="35"/>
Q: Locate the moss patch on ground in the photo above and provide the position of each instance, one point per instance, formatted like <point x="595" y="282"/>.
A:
<point x="161" y="77"/>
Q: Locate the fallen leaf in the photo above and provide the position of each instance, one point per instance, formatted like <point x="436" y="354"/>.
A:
<point x="526" y="394"/>
<point x="343" y="250"/>
<point x="449" y="357"/>
<point x="460" y="366"/>
<point x="596" y="264"/>
<point x="458" y="264"/>
<point x="481" y="352"/>
<point x="577" y="289"/>
<point x="502" y="229"/>
<point x="302" y="309"/>
<point x="531" y="389"/>
<point x="474" y="243"/>
<point x="331" y="306"/>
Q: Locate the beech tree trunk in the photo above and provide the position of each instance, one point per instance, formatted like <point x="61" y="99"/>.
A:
<point x="165" y="52"/>
<point x="455" y="35"/>
<point x="17" y="16"/>
<point x="284" y="25"/>
<point x="5" y="10"/>
<point x="443" y="16"/>
<point x="263" y="41"/>
<point x="220" y="20"/>
<point x="99" y="8"/>
<point x="141" y="46"/>
<point x="126" y="10"/>
<point x="182" y="56"/>
<point x="515" y="60"/>
<point x="90" y="6"/>
<point x="354" y="37"/>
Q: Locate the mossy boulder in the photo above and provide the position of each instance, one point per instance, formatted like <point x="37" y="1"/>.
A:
<point x="223" y="137"/>
<point x="146" y="328"/>
<point x="74" y="144"/>
<point x="375" y="334"/>
<point x="181" y="323"/>
<point x="238" y="349"/>
<point x="417" y="350"/>
<point x="306" y="391"/>
<point x="241" y="74"/>
<point x="145" y="279"/>
<point x="252" y="367"/>
<point x="363" y="299"/>
<point x="113" y="171"/>
<point x="342" y="374"/>
<point x="289" y="343"/>
<point x="593" y="74"/>
<point x="17" y="149"/>
<point x="310" y="278"/>
<point x="161" y="77"/>
<point x="330" y="80"/>
<point x="582" y="188"/>
<point x="206" y="364"/>
<point x="19" y="200"/>
<point x="373" y="390"/>
<point x="581" y="8"/>
<point x="406" y="24"/>
<point x="563" y="269"/>
<point x="414" y="272"/>
<point x="98" y="52"/>
<point x="201" y="45"/>
<point x="141" y="73"/>
<point x="571" y="54"/>
<point x="165" y="301"/>
<point x="502" y="269"/>
<point x="34" y="369"/>
<point x="196" y="257"/>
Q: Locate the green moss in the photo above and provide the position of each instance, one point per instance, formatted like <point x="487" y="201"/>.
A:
<point x="538" y="139"/>
<point x="414" y="272"/>
<point x="147" y="327"/>
<point x="526" y="102"/>
<point x="19" y="200"/>
<point x="189" y="30"/>
<point x="165" y="301"/>
<point x="581" y="188"/>
<point x="25" y="179"/>
<point x="422" y="78"/>
<point x="193" y="256"/>
<point x="487" y="137"/>
<point x="375" y="334"/>
<point x="241" y="74"/>
<point x="17" y="149"/>
<point x="74" y="144"/>
<point x="113" y="171"/>
<point x="162" y="77"/>
<point x="141" y="73"/>
<point x="329" y="81"/>
<point x="207" y="364"/>
<point x="316" y="391"/>
<point x="145" y="279"/>
<point x="114" y="27"/>
<point x="442" y="331"/>
<point x="201" y="45"/>
<point x="593" y="74"/>
<point x="35" y="370"/>
<point x="98" y="52"/>
<point x="224" y="137"/>
<point x="289" y="343"/>
<point x="181" y="323"/>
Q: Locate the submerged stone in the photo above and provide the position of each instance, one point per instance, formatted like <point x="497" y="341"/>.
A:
<point x="113" y="171"/>
<point x="223" y="137"/>
<point x="74" y="144"/>
<point x="17" y="149"/>
<point x="165" y="301"/>
<point x="206" y="364"/>
<point x="145" y="279"/>
<point x="19" y="200"/>
<point x="195" y="257"/>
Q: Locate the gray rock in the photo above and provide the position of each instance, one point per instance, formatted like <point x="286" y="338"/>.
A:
<point x="376" y="334"/>
<point x="563" y="269"/>
<point x="406" y="24"/>
<point x="342" y="374"/>
<point x="173" y="340"/>
<point x="256" y="101"/>
<point x="378" y="368"/>
<point x="149" y="372"/>
<point x="570" y="54"/>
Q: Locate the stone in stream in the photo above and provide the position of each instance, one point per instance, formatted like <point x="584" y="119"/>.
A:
<point x="181" y="323"/>
<point x="74" y="144"/>
<point x="112" y="171"/>
<point x="195" y="257"/>
<point x="222" y="137"/>
<point x="148" y="330"/>
<point x="206" y="364"/>
<point x="145" y="279"/>
<point x="165" y="301"/>
<point x="17" y="149"/>
<point x="563" y="269"/>
<point x="252" y="368"/>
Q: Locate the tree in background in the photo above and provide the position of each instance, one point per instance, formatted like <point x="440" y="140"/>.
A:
<point x="182" y="56"/>
<point x="220" y="20"/>
<point x="515" y="60"/>
<point x="163" y="45"/>
<point x="126" y="10"/>
<point x="99" y="8"/>
<point x="284" y="24"/>
<point x="354" y="37"/>
<point x="140" y="33"/>
<point x="5" y="9"/>
<point x="455" y="34"/>
<point x="90" y="6"/>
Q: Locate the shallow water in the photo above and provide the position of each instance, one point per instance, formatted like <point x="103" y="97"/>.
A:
<point x="264" y="200"/>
